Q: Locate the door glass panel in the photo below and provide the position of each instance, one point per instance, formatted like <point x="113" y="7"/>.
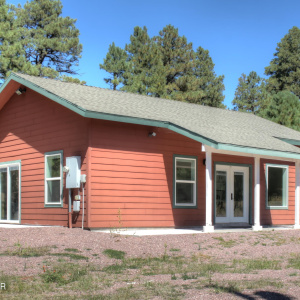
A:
<point x="3" y="190"/>
<point x="221" y="179"/>
<point x="238" y="194"/>
<point x="14" y="193"/>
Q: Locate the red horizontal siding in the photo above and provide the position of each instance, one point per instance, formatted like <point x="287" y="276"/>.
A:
<point x="132" y="177"/>
<point x="31" y="125"/>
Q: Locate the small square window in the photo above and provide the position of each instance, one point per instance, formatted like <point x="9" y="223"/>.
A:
<point x="53" y="178"/>
<point x="185" y="181"/>
<point x="277" y="186"/>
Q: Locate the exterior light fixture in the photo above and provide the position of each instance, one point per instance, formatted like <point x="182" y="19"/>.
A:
<point x="20" y="91"/>
<point x="152" y="134"/>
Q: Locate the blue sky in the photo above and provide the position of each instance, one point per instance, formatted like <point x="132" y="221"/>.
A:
<point x="241" y="35"/>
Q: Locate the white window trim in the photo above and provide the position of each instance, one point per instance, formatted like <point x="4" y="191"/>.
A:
<point x="285" y="204"/>
<point x="59" y="203"/>
<point x="186" y="181"/>
<point x="8" y="165"/>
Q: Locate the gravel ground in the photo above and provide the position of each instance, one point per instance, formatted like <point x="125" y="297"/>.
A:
<point x="216" y="247"/>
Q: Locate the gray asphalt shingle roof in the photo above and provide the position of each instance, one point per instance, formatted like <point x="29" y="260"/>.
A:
<point x="219" y="125"/>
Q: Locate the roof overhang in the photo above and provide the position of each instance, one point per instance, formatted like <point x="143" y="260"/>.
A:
<point x="12" y="83"/>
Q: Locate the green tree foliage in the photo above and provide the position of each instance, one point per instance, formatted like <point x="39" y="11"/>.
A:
<point x="251" y="94"/>
<point x="166" y="66"/>
<point x="72" y="79"/>
<point x="284" y="69"/>
<point x="39" y="40"/>
<point x="284" y="109"/>
<point x="115" y="64"/>
<point x="145" y="73"/>
<point x="176" y="55"/>
<point x="12" y="52"/>
<point x="208" y="86"/>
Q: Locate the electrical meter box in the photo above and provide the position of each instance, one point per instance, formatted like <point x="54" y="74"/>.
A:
<point x="73" y="175"/>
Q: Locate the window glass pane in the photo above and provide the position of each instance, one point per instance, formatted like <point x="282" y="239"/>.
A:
<point x="53" y="189"/>
<point x="185" y="169"/>
<point x="184" y="193"/>
<point x="53" y="166"/>
<point x="276" y="186"/>
<point x="238" y="194"/>
<point x="221" y="194"/>
<point x="3" y="182"/>
<point x="14" y="193"/>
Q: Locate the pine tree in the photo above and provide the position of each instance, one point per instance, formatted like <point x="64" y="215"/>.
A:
<point x="284" y="109"/>
<point x="145" y="74"/>
<point x="50" y="41"/>
<point x="177" y="56"/>
<point x="209" y="86"/>
<point x="115" y="63"/>
<point x="72" y="79"/>
<point x="250" y="95"/>
<point x="284" y="69"/>
<point x="12" y="52"/>
<point x="166" y="66"/>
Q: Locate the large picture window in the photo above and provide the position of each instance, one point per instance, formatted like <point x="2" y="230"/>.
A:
<point x="185" y="170"/>
<point x="277" y="186"/>
<point x="53" y="178"/>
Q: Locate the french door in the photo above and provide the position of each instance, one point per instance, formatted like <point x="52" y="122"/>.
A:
<point x="231" y="194"/>
<point x="10" y="193"/>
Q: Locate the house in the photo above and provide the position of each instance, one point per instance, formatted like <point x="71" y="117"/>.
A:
<point x="148" y="162"/>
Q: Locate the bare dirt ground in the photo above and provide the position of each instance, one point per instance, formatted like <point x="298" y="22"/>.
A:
<point x="62" y="263"/>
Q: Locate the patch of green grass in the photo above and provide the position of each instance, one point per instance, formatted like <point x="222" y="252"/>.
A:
<point x="111" y="253"/>
<point x="231" y="287"/>
<point x="21" y="251"/>
<point x="174" y="250"/>
<point x="294" y="261"/>
<point x="260" y="284"/>
<point x="187" y="276"/>
<point x="71" y="250"/>
<point x="249" y="265"/>
<point x="223" y="243"/>
<point x="162" y="291"/>
<point x="63" y="273"/>
<point x="70" y="255"/>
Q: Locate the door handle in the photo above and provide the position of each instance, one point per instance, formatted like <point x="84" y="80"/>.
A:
<point x="231" y="196"/>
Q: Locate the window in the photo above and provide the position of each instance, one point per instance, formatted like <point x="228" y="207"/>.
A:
<point x="277" y="186"/>
<point x="10" y="191"/>
<point x="185" y="181"/>
<point x="53" y="178"/>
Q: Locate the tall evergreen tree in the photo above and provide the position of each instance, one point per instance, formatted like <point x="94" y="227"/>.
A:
<point x="51" y="42"/>
<point x="284" y="109"/>
<point x="209" y="86"/>
<point x="284" y="69"/>
<point x="177" y="56"/>
<point x="12" y="52"/>
<point x="166" y="66"/>
<point x="115" y="64"/>
<point x="250" y="95"/>
<point x="145" y="74"/>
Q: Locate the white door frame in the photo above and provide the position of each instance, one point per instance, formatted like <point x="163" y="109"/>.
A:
<point x="230" y="170"/>
<point x="8" y="166"/>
